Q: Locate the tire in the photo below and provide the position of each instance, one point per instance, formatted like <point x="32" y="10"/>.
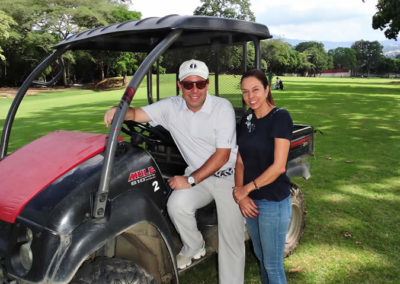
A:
<point x="112" y="271"/>
<point x="297" y="221"/>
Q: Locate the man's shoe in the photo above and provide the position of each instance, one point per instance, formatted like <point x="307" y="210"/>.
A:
<point x="185" y="261"/>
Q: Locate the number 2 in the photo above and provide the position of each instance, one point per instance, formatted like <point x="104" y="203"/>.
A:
<point x="155" y="185"/>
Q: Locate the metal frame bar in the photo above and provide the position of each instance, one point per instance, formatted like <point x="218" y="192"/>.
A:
<point x="158" y="79"/>
<point x="5" y="137"/>
<point x="216" y="76"/>
<point x="149" y="80"/>
<point x="100" y="201"/>
<point x="54" y="79"/>
<point x="257" y="50"/>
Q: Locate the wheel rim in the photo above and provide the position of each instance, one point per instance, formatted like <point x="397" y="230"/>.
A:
<point x="294" y="224"/>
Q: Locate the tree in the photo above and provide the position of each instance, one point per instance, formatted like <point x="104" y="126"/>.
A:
<point x="397" y="64"/>
<point x="25" y="47"/>
<point x="368" y="54"/>
<point x="387" y="18"/>
<point x="280" y="56"/>
<point x="229" y="59"/>
<point x="237" y="9"/>
<point x="126" y="63"/>
<point x="121" y="14"/>
<point x="302" y="46"/>
<point x="343" y="57"/>
<point x="306" y="67"/>
<point x="318" y="59"/>
<point x="385" y="65"/>
<point x="5" y="24"/>
<point x="43" y="23"/>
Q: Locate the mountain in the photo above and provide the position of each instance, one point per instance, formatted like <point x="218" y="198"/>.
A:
<point x="391" y="48"/>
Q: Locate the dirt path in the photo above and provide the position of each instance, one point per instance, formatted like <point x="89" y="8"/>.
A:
<point x="106" y="84"/>
<point x="11" y="92"/>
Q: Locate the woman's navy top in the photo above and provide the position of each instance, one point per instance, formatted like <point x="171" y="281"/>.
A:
<point x="256" y="147"/>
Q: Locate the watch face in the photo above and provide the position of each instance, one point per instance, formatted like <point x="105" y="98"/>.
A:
<point x="191" y="180"/>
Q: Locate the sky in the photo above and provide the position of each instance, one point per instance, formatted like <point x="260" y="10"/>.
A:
<point x="318" y="20"/>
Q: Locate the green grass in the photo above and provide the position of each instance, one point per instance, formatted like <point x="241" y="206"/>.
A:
<point x="355" y="183"/>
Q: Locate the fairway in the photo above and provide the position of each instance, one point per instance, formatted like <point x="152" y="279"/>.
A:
<point x="352" y="230"/>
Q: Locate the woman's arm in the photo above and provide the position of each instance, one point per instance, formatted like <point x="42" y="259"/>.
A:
<point x="239" y="191"/>
<point x="246" y="204"/>
<point x="278" y="167"/>
<point x="239" y="170"/>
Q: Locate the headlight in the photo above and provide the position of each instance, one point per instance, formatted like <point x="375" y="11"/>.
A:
<point x="25" y="254"/>
<point x="22" y="258"/>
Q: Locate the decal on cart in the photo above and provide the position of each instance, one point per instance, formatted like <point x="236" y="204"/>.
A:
<point x="143" y="175"/>
<point x="155" y="185"/>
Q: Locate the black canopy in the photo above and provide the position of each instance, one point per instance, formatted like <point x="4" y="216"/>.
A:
<point x="143" y="35"/>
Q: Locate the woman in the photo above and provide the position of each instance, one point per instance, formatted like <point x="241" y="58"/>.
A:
<point x="262" y="188"/>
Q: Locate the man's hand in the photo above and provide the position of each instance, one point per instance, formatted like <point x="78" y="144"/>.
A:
<point x="248" y="208"/>
<point x="179" y="182"/>
<point x="109" y="116"/>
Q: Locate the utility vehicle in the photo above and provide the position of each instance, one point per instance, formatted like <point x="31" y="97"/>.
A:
<point x="81" y="207"/>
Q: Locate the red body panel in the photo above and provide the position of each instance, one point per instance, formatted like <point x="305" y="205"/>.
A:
<point x="30" y="169"/>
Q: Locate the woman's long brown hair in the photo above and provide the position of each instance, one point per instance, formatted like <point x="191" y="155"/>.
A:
<point x="259" y="75"/>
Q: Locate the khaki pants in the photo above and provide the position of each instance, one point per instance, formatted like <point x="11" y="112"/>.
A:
<point x="182" y="206"/>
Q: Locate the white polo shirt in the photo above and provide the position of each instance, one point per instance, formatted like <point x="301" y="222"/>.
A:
<point x="197" y="134"/>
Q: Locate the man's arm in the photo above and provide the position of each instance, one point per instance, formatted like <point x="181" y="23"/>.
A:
<point x="135" y="114"/>
<point x="213" y="164"/>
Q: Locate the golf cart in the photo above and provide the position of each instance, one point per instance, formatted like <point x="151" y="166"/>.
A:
<point x="91" y="208"/>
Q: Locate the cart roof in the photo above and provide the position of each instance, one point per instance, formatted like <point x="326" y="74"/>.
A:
<point x="143" y="35"/>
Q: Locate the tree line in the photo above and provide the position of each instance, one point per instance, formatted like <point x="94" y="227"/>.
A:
<point x="29" y="29"/>
<point x="310" y="58"/>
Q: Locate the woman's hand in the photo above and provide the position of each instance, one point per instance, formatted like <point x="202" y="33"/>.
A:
<point x="248" y="208"/>
<point x="239" y="192"/>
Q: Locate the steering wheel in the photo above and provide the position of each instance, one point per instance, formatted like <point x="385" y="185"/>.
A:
<point x="140" y="133"/>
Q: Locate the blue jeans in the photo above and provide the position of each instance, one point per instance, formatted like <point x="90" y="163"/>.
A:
<point x="268" y="234"/>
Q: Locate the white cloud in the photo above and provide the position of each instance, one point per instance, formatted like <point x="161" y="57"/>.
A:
<point x="344" y="30"/>
<point x="160" y="8"/>
<point x="320" y="20"/>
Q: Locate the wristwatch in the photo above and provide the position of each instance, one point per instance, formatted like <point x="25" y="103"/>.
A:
<point x="191" y="181"/>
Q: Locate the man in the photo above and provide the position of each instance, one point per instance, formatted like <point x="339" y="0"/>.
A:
<point x="270" y="75"/>
<point x="204" y="129"/>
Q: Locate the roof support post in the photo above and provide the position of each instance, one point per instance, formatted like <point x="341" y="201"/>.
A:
<point x="217" y="60"/>
<point x="100" y="199"/>
<point x="150" y="85"/>
<point x="257" y="49"/>
<point x="158" y="79"/>
<point x="20" y="95"/>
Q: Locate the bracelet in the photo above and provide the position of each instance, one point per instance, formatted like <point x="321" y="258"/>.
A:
<point x="254" y="182"/>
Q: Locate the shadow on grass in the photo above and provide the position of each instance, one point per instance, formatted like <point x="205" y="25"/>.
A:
<point x="86" y="117"/>
<point x="355" y="183"/>
<point x="354" y="188"/>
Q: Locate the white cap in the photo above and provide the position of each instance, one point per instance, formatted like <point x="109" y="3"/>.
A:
<point x="193" y="67"/>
